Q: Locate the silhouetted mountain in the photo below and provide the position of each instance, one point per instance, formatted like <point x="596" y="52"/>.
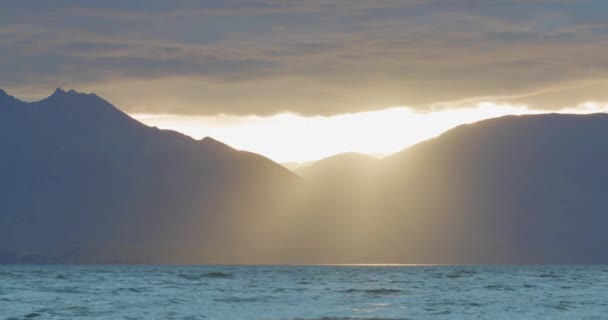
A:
<point x="344" y="165"/>
<point x="295" y="166"/>
<point x="83" y="182"/>
<point x="81" y="177"/>
<point x="527" y="189"/>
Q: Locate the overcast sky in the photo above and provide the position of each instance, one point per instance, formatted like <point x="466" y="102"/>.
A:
<point x="313" y="57"/>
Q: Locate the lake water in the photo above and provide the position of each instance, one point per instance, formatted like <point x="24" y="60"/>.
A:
<point x="315" y="292"/>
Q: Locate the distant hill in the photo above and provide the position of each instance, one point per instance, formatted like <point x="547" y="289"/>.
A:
<point x="342" y="165"/>
<point x="295" y="166"/>
<point x="83" y="182"/>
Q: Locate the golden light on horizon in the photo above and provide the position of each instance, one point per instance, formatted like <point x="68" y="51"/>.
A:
<point x="289" y="137"/>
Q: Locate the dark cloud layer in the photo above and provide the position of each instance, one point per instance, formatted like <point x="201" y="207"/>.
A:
<point x="310" y="57"/>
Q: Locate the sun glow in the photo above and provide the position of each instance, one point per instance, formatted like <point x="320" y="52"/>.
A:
<point x="294" y="138"/>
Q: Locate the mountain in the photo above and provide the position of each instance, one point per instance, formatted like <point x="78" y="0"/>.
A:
<point x="344" y="165"/>
<point x="516" y="189"/>
<point x="529" y="189"/>
<point x="84" y="182"/>
<point x="295" y="166"/>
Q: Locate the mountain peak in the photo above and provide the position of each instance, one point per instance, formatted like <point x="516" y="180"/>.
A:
<point x="86" y="106"/>
<point x="208" y="141"/>
<point x="74" y="97"/>
<point x="58" y="95"/>
<point x="60" y="92"/>
<point x="348" y="164"/>
<point x="5" y="97"/>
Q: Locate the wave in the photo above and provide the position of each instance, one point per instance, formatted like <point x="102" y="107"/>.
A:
<point x="462" y="273"/>
<point x="32" y="315"/>
<point x="240" y="299"/>
<point x="499" y="287"/>
<point x="199" y="276"/>
<point x="218" y="275"/>
<point x="380" y="291"/>
<point x="383" y="291"/>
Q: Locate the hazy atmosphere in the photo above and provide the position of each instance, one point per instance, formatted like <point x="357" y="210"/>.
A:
<point x="303" y="159"/>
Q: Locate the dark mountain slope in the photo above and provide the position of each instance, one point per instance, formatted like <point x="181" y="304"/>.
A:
<point x="81" y="177"/>
<point x="514" y="189"/>
<point x="83" y="182"/>
<point x="527" y="189"/>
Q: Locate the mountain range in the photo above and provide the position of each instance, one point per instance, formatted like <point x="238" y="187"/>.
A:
<point x="82" y="182"/>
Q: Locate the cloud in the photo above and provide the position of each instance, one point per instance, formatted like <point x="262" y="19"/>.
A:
<point x="308" y="57"/>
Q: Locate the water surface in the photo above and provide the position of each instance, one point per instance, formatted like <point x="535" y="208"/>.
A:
<point x="311" y="292"/>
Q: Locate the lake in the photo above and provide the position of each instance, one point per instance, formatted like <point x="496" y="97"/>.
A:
<point x="303" y="292"/>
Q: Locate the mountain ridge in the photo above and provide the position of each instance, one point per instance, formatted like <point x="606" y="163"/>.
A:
<point x="92" y="185"/>
<point x="90" y="178"/>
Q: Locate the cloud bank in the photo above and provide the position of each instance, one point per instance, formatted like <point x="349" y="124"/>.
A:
<point x="249" y="57"/>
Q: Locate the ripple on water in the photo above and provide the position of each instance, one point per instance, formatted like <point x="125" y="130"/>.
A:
<point x="499" y="287"/>
<point x="32" y="315"/>
<point x="307" y="293"/>
<point x="221" y="275"/>
<point x="240" y="299"/>
<point x="70" y="290"/>
<point x="549" y="275"/>
<point x="200" y="276"/>
<point x="461" y="273"/>
<point x="343" y="318"/>
<point x="129" y="290"/>
<point x="563" y="306"/>
<point x="383" y="291"/>
<point x="374" y="292"/>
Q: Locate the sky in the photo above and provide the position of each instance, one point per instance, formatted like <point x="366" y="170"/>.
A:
<point x="300" y="80"/>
